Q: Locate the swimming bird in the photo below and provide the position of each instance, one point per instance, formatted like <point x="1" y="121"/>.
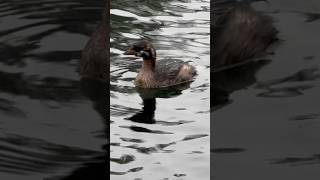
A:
<point x="241" y="37"/>
<point x="240" y="33"/>
<point x="159" y="74"/>
<point x="95" y="62"/>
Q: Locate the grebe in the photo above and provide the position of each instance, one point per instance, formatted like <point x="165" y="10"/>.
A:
<point x="163" y="73"/>
<point x="94" y="61"/>
<point x="240" y="34"/>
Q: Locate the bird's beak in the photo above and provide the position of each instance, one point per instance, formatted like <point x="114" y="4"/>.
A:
<point x="130" y="51"/>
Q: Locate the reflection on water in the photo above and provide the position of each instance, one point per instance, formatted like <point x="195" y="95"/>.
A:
<point x="52" y="124"/>
<point x="160" y="134"/>
<point x="146" y="115"/>
<point x="277" y="134"/>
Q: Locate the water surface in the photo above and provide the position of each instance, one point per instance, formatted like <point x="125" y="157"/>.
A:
<point x="160" y="135"/>
<point x="267" y="127"/>
<point x="50" y="128"/>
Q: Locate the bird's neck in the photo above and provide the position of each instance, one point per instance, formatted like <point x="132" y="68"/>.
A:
<point x="149" y="65"/>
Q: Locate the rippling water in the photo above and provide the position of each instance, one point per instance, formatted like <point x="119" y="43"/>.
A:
<point x="53" y="127"/>
<point x="267" y="118"/>
<point x="160" y="135"/>
<point x="49" y="129"/>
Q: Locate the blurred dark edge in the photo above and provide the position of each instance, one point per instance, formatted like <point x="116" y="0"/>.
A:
<point x="99" y="93"/>
<point x="94" y="89"/>
<point x="211" y="89"/>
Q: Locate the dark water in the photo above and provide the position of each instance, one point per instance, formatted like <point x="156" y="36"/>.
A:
<point x="160" y="134"/>
<point x="51" y="127"/>
<point x="269" y="126"/>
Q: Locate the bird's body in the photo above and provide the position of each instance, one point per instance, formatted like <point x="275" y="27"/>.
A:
<point x="166" y="73"/>
<point x="94" y="62"/>
<point x="162" y="73"/>
<point x="240" y="34"/>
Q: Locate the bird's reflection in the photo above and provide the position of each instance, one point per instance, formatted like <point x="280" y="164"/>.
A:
<point x="229" y="80"/>
<point x="97" y="91"/>
<point x="147" y="114"/>
<point x="97" y="168"/>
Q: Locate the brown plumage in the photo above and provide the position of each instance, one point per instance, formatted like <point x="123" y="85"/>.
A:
<point x="94" y="62"/>
<point x="240" y="34"/>
<point x="159" y="74"/>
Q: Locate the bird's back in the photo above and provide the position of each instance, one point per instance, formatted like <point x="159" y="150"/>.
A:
<point x="169" y="72"/>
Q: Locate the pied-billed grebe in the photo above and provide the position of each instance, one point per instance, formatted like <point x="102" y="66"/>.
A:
<point x="240" y="33"/>
<point x="94" y="63"/>
<point x="162" y="73"/>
